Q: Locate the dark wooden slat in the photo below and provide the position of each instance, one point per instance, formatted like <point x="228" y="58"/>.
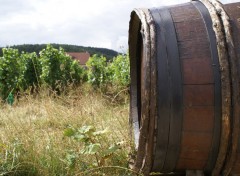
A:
<point x="196" y="141"/>
<point x="197" y="71"/>
<point x="191" y="164"/>
<point x="194" y="154"/>
<point x="198" y="95"/>
<point x="236" y="168"/>
<point x="186" y="53"/>
<point x="198" y="119"/>
<point x="196" y="148"/>
<point x="217" y="86"/>
<point x="198" y="88"/>
<point x="179" y="13"/>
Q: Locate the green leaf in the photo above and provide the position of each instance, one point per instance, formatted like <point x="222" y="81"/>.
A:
<point x="113" y="148"/>
<point x="99" y="133"/>
<point x="81" y="137"/>
<point x="69" y="132"/>
<point x="91" y="149"/>
<point x="71" y="159"/>
<point x="86" y="129"/>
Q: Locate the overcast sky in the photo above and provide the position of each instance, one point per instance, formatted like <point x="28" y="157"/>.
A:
<point x="96" y="23"/>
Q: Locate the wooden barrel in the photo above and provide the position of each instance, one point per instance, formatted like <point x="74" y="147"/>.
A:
<point x="184" y="107"/>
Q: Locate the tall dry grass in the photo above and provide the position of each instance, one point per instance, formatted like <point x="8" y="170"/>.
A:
<point x="32" y="140"/>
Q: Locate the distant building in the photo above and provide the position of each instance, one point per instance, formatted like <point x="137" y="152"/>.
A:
<point x="82" y="58"/>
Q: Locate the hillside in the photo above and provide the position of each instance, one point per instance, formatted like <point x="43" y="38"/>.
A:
<point x="108" y="53"/>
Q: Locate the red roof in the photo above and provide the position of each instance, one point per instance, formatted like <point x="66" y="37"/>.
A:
<point x="82" y="58"/>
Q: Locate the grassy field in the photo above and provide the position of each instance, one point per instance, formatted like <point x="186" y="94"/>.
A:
<point x="35" y="139"/>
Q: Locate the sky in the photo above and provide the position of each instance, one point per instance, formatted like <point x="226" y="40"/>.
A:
<point x="95" y="23"/>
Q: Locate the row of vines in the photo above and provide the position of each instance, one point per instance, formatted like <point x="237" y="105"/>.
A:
<point x="57" y="70"/>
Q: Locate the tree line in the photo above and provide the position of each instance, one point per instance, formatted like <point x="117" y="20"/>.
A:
<point x="108" y="53"/>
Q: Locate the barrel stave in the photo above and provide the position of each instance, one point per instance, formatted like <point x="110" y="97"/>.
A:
<point x="198" y="87"/>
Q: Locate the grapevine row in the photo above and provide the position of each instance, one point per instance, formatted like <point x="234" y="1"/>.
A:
<point x="54" y="68"/>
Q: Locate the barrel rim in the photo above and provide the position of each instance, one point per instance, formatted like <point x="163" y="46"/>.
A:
<point x="142" y="132"/>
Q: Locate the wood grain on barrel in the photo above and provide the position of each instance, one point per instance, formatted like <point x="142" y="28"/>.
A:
<point x="198" y="87"/>
<point x="196" y="118"/>
<point x="236" y="167"/>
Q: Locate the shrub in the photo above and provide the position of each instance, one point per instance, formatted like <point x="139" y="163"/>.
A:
<point x="58" y="69"/>
<point x="102" y="73"/>
<point x="11" y="72"/>
<point x="32" y="70"/>
<point x="98" y="73"/>
<point x="120" y="68"/>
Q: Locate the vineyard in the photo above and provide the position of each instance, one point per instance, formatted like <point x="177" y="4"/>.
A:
<point x="58" y="118"/>
<point x="53" y="68"/>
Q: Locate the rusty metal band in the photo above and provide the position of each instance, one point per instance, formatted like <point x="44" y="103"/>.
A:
<point x="169" y="93"/>
<point x="217" y="86"/>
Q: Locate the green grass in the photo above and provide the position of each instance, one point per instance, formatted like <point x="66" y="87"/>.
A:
<point x="32" y="140"/>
